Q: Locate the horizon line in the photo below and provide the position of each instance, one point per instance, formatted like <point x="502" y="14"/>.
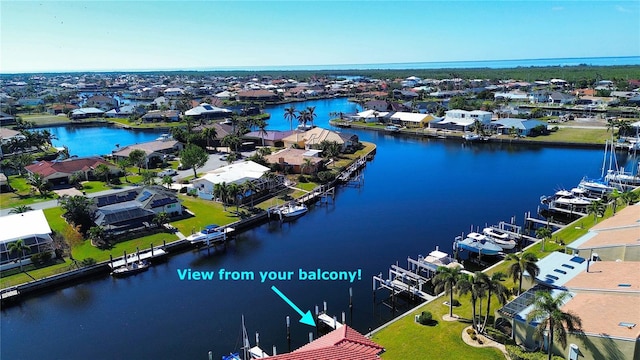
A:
<point x="327" y="67"/>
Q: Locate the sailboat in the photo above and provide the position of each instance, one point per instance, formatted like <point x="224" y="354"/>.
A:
<point x="601" y="186"/>
<point x="248" y="352"/>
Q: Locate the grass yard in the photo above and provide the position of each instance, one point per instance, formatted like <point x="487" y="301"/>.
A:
<point x="22" y="195"/>
<point x="575" y="135"/>
<point x="406" y="339"/>
<point x="45" y="119"/>
<point x="206" y="212"/>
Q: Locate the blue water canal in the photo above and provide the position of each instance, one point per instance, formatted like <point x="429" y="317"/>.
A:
<point x="417" y="194"/>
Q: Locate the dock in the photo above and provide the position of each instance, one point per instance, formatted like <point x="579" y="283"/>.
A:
<point x="147" y="255"/>
<point x="331" y="322"/>
<point x="402" y="281"/>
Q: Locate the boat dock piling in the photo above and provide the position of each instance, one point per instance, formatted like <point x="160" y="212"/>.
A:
<point x="153" y="253"/>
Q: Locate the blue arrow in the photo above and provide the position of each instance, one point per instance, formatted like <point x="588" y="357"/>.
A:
<point x="307" y="318"/>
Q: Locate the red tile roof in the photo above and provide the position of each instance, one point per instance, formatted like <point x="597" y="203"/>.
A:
<point x="47" y="168"/>
<point x="341" y="344"/>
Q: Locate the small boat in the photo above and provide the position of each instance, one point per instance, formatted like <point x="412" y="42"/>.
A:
<point x="595" y="186"/>
<point x="499" y="238"/>
<point x="210" y="233"/>
<point x="469" y="136"/>
<point x="131" y="269"/>
<point x="438" y="258"/>
<point x="292" y="210"/>
<point x="392" y="128"/>
<point x="479" y="244"/>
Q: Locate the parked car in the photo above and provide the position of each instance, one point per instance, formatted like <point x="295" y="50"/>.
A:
<point x="167" y="172"/>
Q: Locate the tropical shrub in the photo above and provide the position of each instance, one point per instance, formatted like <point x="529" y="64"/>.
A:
<point x="426" y="318"/>
<point x="517" y="353"/>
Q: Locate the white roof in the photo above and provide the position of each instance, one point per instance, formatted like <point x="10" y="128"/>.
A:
<point x="371" y="113"/>
<point x="410" y="117"/>
<point x="234" y="173"/>
<point x="24" y="225"/>
<point x="205" y="108"/>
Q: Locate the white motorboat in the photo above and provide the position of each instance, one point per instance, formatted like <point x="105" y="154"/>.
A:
<point x="211" y="233"/>
<point x="469" y="136"/>
<point x="479" y="244"/>
<point x="131" y="269"/>
<point x="293" y="210"/>
<point x="499" y="238"/>
<point x="392" y="128"/>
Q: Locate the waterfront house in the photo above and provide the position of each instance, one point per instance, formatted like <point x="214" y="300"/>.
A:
<point x="311" y="139"/>
<point x="521" y="127"/>
<point x="161" y="116"/>
<point x="237" y="173"/>
<point x="462" y="120"/>
<point x="561" y="98"/>
<point x="32" y="228"/>
<point x="206" y="111"/>
<point x="257" y="95"/>
<point x="102" y="102"/>
<point x="173" y="92"/>
<point x="600" y="271"/>
<point x="125" y="111"/>
<point x="30" y="102"/>
<point x="59" y="172"/>
<point x="410" y="120"/>
<point x="135" y="208"/>
<point x="7" y="136"/>
<point x="56" y="109"/>
<point x="84" y="113"/>
<point x="371" y="116"/>
<point x="154" y="150"/>
<point x="294" y="161"/>
<point x="271" y="138"/>
<point x="613" y="239"/>
<point x="377" y="105"/>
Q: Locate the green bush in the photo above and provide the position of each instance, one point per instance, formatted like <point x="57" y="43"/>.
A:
<point x="425" y="318"/>
<point x="455" y="303"/>
<point x="302" y="178"/>
<point x="497" y="335"/>
<point x="471" y="331"/>
<point x="41" y="258"/>
<point x="516" y="353"/>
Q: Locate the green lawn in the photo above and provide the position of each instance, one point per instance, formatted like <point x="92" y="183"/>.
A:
<point x="45" y="119"/>
<point x="22" y="195"/>
<point x="575" y="135"/>
<point x="406" y="339"/>
<point x="207" y="212"/>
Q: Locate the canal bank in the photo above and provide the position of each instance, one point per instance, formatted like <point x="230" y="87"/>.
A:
<point x="14" y="294"/>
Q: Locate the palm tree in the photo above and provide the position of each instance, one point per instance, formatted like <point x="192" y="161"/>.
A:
<point x="123" y="164"/>
<point x="167" y="180"/>
<point x="303" y="117"/>
<point x="37" y="181"/>
<point x="615" y="197"/>
<point x="220" y="191"/>
<point x="138" y="158"/>
<point x="521" y="263"/>
<point x="160" y="218"/>
<point x="233" y="191"/>
<point x="551" y="318"/>
<point x="629" y="197"/>
<point x="250" y="186"/>
<point x="311" y="115"/>
<point x="262" y="126"/>
<point x="96" y="234"/>
<point x="78" y="210"/>
<point x="231" y="141"/>
<point x="446" y="280"/>
<point x="544" y="233"/>
<point x="19" y="247"/>
<point x="473" y="284"/>
<point x="306" y="165"/>
<point x="494" y="285"/>
<point x="102" y="171"/>
<point x="290" y="115"/>
<point x="20" y="209"/>
<point x="209" y="134"/>
<point x="596" y="208"/>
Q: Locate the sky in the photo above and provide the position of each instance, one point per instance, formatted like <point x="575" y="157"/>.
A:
<point x="39" y="36"/>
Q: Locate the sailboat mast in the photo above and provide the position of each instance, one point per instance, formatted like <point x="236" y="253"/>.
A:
<point x="245" y="342"/>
